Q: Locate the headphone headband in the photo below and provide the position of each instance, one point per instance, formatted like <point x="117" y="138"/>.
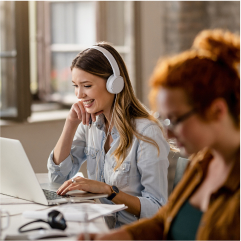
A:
<point x="115" y="82"/>
<point x="110" y="58"/>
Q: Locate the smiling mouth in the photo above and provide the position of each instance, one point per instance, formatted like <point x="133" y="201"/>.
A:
<point x="88" y="102"/>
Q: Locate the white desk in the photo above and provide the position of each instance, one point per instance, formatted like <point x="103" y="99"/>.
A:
<point x="16" y="219"/>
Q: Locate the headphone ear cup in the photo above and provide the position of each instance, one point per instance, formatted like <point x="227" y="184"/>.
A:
<point x="56" y="223"/>
<point x="115" y="84"/>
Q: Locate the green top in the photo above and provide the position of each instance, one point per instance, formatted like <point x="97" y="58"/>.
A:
<point x="185" y="224"/>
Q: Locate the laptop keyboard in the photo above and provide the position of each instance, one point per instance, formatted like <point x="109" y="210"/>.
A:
<point x="51" y="195"/>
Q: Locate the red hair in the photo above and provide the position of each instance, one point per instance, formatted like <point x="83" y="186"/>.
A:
<point x="206" y="72"/>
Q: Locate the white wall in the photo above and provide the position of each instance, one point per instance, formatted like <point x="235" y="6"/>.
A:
<point x="151" y="42"/>
<point x="38" y="140"/>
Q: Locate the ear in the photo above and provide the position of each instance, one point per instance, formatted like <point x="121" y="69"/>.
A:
<point x="217" y="110"/>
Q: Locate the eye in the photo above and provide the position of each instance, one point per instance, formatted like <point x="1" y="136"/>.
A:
<point x="173" y="120"/>
<point x="87" y="86"/>
<point x="75" y="86"/>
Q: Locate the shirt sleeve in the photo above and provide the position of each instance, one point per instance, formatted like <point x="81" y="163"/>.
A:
<point x="153" y="169"/>
<point x="71" y="165"/>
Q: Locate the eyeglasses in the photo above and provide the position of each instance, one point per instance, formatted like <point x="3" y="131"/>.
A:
<point x="170" y="125"/>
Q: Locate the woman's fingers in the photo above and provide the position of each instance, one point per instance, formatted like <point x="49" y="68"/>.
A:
<point x="78" y="184"/>
<point x="77" y="111"/>
<point x="83" y="115"/>
<point x="64" y="186"/>
<point x="83" y="187"/>
<point x="93" y="116"/>
<point x="83" y="112"/>
<point x="84" y="184"/>
<point x="92" y="236"/>
<point x="70" y="187"/>
<point x="65" y="190"/>
<point x="87" y="118"/>
<point x="74" y="186"/>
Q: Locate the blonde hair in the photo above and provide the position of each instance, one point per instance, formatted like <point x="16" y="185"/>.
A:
<point x="127" y="107"/>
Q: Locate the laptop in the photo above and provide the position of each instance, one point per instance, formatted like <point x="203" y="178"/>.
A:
<point x="17" y="178"/>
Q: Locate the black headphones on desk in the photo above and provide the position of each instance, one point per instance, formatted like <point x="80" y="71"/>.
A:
<point x="55" y="220"/>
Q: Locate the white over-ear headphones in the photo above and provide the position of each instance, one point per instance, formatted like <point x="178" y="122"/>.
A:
<point x="115" y="82"/>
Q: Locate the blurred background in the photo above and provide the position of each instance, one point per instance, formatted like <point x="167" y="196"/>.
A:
<point x="39" y="40"/>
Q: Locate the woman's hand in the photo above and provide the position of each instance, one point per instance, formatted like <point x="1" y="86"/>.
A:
<point x="79" y="114"/>
<point x="119" y="234"/>
<point x="88" y="185"/>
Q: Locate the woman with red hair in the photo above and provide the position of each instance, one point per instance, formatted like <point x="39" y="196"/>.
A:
<point x="198" y="91"/>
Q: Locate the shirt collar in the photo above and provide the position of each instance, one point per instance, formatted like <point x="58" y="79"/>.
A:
<point x="100" y="124"/>
<point x="100" y="121"/>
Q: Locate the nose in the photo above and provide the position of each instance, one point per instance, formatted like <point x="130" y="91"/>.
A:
<point x="79" y="92"/>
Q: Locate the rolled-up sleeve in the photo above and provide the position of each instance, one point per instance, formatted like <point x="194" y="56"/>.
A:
<point x="71" y="165"/>
<point x="153" y="169"/>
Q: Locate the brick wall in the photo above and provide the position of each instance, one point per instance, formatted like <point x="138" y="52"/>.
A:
<point x="224" y="14"/>
<point x="182" y="21"/>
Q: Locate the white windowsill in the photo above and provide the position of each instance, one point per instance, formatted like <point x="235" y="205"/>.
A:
<point x="38" y="117"/>
<point x="48" y="116"/>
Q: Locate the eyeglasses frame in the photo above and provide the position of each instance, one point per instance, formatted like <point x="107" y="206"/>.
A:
<point x="173" y="124"/>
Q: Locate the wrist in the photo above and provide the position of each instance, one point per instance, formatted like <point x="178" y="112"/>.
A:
<point x="108" y="190"/>
<point x="73" y="123"/>
<point x="114" y="192"/>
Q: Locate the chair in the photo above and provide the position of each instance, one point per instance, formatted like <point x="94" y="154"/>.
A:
<point x="180" y="168"/>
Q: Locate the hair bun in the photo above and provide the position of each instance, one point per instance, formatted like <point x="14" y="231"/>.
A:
<point x="223" y="45"/>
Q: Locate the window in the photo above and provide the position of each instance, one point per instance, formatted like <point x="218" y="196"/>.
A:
<point x="15" y="95"/>
<point x="39" y="40"/>
<point x="74" y="26"/>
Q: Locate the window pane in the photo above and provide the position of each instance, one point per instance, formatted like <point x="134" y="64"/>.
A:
<point x="73" y="23"/>
<point x="8" y="102"/>
<point x="61" y="80"/>
<point x="8" y="88"/>
<point x="7" y="26"/>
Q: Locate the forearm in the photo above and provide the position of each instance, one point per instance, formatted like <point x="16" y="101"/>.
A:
<point x="132" y="202"/>
<point x="63" y="146"/>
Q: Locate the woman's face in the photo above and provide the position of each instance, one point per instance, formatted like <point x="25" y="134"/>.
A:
<point x="192" y="133"/>
<point x="91" y="90"/>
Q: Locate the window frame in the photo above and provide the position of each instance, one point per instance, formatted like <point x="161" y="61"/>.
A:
<point x="21" y="54"/>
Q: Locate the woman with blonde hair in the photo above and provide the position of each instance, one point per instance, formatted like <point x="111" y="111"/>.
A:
<point x="198" y="91"/>
<point x="125" y="149"/>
